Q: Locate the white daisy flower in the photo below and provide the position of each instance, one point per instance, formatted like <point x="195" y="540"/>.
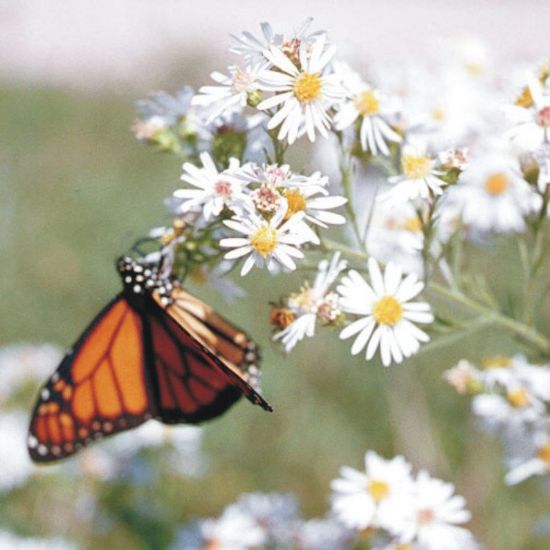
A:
<point x="303" y="93"/>
<point x="373" y="108"/>
<point x="313" y="303"/>
<point x="535" y="460"/>
<point x="213" y="190"/>
<point x="323" y="533"/>
<point x="252" y="49"/>
<point x="419" y="180"/>
<point x="267" y="242"/>
<point x="377" y="497"/>
<point x="434" y="519"/>
<point x="232" y="91"/>
<point x="533" y="121"/>
<point x="387" y="316"/>
<point x="493" y="196"/>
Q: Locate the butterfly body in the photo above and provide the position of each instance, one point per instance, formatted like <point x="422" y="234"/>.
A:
<point x="154" y="351"/>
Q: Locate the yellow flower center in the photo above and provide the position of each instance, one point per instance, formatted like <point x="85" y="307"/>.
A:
<point x="525" y="99"/>
<point x="438" y="114"/>
<point x="296" y="203"/>
<point x="387" y="311"/>
<point x="496" y="362"/>
<point x="544" y="454"/>
<point x="378" y="490"/>
<point x="302" y="299"/>
<point x="264" y="241"/>
<point x="497" y="183"/>
<point x="413" y="224"/>
<point x="367" y="103"/>
<point x="307" y="87"/>
<point x="518" y="398"/>
<point x="416" y="167"/>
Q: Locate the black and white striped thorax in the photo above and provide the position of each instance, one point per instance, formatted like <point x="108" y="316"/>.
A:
<point x="139" y="279"/>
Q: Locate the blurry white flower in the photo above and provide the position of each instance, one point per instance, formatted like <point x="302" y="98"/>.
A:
<point x="535" y="459"/>
<point x="532" y="122"/>
<point x="14" y="457"/>
<point x="148" y="128"/>
<point x="376" y="498"/>
<point x="492" y="195"/>
<point x="164" y="108"/>
<point x="24" y="363"/>
<point x="213" y="190"/>
<point x="454" y="158"/>
<point x="327" y="534"/>
<point x="312" y="303"/>
<point x="11" y="541"/>
<point x="373" y="108"/>
<point x="267" y="242"/>
<point x="419" y="178"/>
<point x="432" y="523"/>
<point x="463" y="377"/>
<point x="302" y="94"/>
<point x="387" y="316"/>
<point x="231" y="92"/>
<point x="543" y="159"/>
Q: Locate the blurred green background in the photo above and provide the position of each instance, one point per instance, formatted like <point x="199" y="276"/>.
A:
<point x="76" y="191"/>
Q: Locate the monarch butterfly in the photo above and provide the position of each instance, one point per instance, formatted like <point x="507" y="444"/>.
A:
<point x="155" y="351"/>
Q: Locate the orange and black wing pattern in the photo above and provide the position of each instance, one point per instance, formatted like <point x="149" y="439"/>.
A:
<point x="101" y="387"/>
<point x="198" y="373"/>
<point x="154" y="352"/>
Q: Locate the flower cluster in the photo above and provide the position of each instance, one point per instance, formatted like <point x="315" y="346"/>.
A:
<point x="511" y="398"/>
<point x="400" y="510"/>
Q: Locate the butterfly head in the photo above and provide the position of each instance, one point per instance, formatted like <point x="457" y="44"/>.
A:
<point x="139" y="279"/>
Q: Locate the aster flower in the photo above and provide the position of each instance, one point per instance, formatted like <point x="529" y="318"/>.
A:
<point x="252" y="49"/>
<point x="232" y="91"/>
<point x="434" y="518"/>
<point x="303" y="91"/>
<point x="534" y="459"/>
<point x="492" y="195"/>
<point x="533" y="119"/>
<point x="419" y="179"/>
<point x="323" y="533"/>
<point x="388" y="316"/>
<point x="372" y="108"/>
<point x="267" y="242"/>
<point x="374" y="498"/>
<point x="463" y="377"/>
<point x="312" y="304"/>
<point x="166" y="107"/>
<point x="213" y="190"/>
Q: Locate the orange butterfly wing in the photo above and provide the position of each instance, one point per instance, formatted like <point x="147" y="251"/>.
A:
<point x="100" y="388"/>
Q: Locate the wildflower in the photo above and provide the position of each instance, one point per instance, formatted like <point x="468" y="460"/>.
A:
<point x="312" y="304"/>
<point x="169" y="109"/>
<point x="419" y="179"/>
<point x="372" y="108"/>
<point x="267" y="242"/>
<point x="533" y="119"/>
<point x="535" y="459"/>
<point x="456" y="158"/>
<point x="232" y="91"/>
<point x="303" y="93"/>
<point x="387" y="316"/>
<point x="213" y="190"/>
<point x="434" y="518"/>
<point x="464" y="377"/>
<point x="374" y="498"/>
<point x="323" y="533"/>
<point x="492" y="195"/>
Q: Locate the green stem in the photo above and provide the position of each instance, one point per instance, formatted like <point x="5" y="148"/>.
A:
<point x="528" y="333"/>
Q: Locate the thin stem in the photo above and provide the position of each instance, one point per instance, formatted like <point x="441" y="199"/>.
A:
<point x="345" y="171"/>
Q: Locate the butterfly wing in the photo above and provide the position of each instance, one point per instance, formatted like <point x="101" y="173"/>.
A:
<point x="197" y="378"/>
<point x="100" y="388"/>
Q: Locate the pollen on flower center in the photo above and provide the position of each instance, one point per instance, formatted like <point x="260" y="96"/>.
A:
<point x="307" y="87"/>
<point x="497" y="183"/>
<point x="296" y="202"/>
<point x="387" y="311"/>
<point x="416" y="167"/>
<point x="413" y="224"/>
<point x="223" y="189"/>
<point x="367" y="103"/>
<point x="425" y="516"/>
<point x="544" y="454"/>
<point x="264" y="241"/>
<point x="378" y="490"/>
<point x="518" y="398"/>
<point x="543" y="117"/>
